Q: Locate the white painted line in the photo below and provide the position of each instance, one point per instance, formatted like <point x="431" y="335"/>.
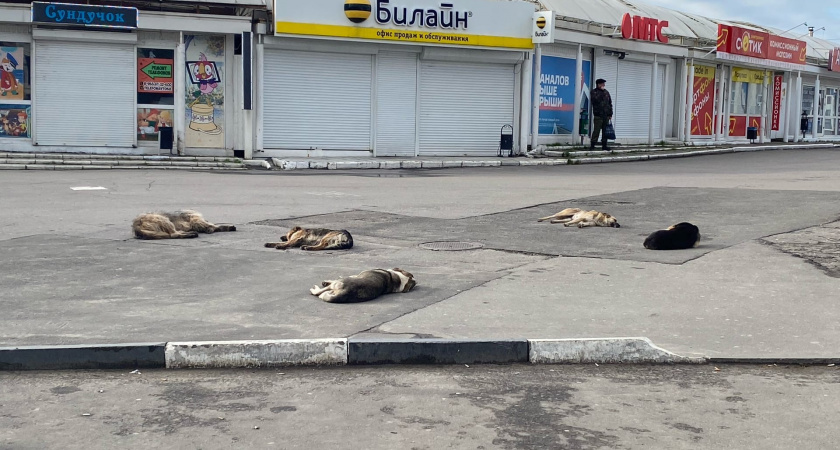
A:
<point x="248" y="354"/>
<point x="603" y="351"/>
<point x="89" y="188"/>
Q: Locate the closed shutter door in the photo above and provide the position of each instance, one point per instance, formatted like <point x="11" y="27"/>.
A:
<point x="632" y="101"/>
<point x="84" y="94"/>
<point x="658" y="106"/>
<point x="396" y="104"/>
<point x="463" y="107"/>
<point x="606" y="67"/>
<point x="317" y="100"/>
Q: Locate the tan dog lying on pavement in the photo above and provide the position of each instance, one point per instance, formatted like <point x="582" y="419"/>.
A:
<point x="178" y="225"/>
<point x="314" y="239"/>
<point x="581" y="218"/>
<point x="365" y="286"/>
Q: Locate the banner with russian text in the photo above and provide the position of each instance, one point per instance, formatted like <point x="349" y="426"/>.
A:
<point x="703" y="103"/>
<point x="557" y="94"/>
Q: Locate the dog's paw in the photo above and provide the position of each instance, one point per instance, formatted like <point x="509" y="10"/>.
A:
<point x="325" y="283"/>
<point x="305" y="248"/>
<point x="315" y="290"/>
<point x="191" y="234"/>
<point x="270" y="245"/>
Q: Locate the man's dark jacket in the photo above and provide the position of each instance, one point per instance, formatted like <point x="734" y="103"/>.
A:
<point x="601" y="103"/>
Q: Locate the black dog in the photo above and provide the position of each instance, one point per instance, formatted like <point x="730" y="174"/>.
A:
<point x="678" y="237"/>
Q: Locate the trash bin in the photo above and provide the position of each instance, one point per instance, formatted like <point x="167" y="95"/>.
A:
<point x="166" y="137"/>
<point x="752" y="133"/>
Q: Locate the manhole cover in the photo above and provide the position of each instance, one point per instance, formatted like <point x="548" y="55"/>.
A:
<point x="449" y="246"/>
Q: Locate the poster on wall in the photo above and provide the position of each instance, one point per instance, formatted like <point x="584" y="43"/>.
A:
<point x="703" y="106"/>
<point x="154" y="76"/>
<point x="149" y="121"/>
<point x="11" y="73"/>
<point x="776" y="115"/>
<point x="14" y="121"/>
<point x="557" y="94"/>
<point x="205" y="94"/>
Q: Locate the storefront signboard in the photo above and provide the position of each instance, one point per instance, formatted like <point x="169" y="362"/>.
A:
<point x="834" y="60"/>
<point x="776" y="118"/>
<point x="643" y="28"/>
<point x="543" y="27"/>
<point x="703" y="106"/>
<point x="557" y="94"/>
<point x="757" y="47"/>
<point x="472" y="23"/>
<point x="84" y="15"/>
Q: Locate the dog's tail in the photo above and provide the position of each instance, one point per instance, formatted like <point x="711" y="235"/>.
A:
<point x="225" y="227"/>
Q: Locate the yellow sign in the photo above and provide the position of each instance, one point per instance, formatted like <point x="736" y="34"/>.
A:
<point x="704" y="72"/>
<point x="741" y="75"/>
<point x="433" y="37"/>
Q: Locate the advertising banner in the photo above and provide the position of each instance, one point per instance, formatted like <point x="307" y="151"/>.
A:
<point x="205" y="93"/>
<point x="154" y="75"/>
<point x="557" y="94"/>
<point x="703" y="106"/>
<point x="787" y="50"/>
<point x="743" y="42"/>
<point x="741" y="75"/>
<point x="776" y="116"/>
<point x="738" y="126"/>
<point x="11" y="73"/>
<point x="479" y="23"/>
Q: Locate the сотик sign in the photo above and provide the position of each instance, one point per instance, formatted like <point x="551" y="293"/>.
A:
<point x="480" y="23"/>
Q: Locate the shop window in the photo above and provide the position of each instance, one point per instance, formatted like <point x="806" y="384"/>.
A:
<point x="155" y="92"/>
<point x="808" y="96"/>
<point x="15" y="90"/>
<point x="755" y="100"/>
<point x="740" y="95"/>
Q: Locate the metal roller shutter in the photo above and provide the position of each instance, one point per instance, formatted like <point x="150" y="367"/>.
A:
<point x="606" y="67"/>
<point x="658" y="106"/>
<point x="396" y="104"/>
<point x="93" y="108"/>
<point x="632" y="101"/>
<point x="463" y="107"/>
<point x="317" y="100"/>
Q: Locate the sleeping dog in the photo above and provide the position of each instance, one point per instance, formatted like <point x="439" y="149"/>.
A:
<point x="581" y="218"/>
<point x="365" y="286"/>
<point x="177" y="225"/>
<point x="677" y="237"/>
<point x="314" y="239"/>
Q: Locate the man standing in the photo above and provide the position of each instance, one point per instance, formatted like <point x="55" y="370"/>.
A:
<point x="602" y="110"/>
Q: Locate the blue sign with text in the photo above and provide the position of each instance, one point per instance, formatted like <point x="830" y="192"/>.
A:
<point x="557" y="94"/>
<point x="84" y="15"/>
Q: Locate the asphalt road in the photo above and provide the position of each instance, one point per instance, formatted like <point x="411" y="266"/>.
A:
<point x="455" y="407"/>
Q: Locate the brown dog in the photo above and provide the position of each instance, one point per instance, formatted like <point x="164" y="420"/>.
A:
<point x="314" y="239"/>
<point x="365" y="286"/>
<point x="178" y="225"/>
<point x="581" y="218"/>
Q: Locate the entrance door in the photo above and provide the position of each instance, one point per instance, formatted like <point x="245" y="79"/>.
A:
<point x="829" y="112"/>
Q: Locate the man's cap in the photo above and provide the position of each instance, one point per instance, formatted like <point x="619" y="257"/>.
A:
<point x="600" y="81"/>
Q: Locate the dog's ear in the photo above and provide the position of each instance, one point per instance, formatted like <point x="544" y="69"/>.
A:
<point x="410" y="285"/>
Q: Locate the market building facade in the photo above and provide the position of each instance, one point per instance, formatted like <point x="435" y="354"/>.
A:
<point x="119" y="79"/>
<point x="393" y="78"/>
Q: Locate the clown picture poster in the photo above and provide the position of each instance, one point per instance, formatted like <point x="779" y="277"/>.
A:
<point x="14" y="121"/>
<point x="11" y="73"/>
<point x="205" y="93"/>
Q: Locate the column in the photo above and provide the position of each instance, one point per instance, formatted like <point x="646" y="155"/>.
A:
<point x="652" y="111"/>
<point x="578" y="94"/>
<point x="764" y="129"/>
<point x="816" y="108"/>
<point x="788" y="99"/>
<point x="525" y="103"/>
<point x="799" y="134"/>
<point x="179" y="74"/>
<point x="683" y="93"/>
<point x="535" y="100"/>
<point x="690" y="101"/>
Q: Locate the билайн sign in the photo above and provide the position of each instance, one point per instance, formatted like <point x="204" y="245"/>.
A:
<point x="479" y="23"/>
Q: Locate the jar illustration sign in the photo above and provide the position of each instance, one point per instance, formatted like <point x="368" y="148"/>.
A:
<point x="201" y="119"/>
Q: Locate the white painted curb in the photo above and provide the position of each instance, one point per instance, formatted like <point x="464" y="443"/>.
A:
<point x="632" y="350"/>
<point x="252" y="354"/>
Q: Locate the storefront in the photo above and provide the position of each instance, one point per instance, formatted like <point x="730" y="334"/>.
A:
<point x="103" y="79"/>
<point x="358" y="77"/>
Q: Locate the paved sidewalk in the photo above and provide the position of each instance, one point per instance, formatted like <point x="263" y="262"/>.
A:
<point x="763" y="282"/>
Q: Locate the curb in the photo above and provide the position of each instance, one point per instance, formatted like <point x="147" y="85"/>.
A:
<point x="359" y="352"/>
<point x="583" y="158"/>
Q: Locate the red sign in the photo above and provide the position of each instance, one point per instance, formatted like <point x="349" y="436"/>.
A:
<point x="787" y="50"/>
<point x="154" y="75"/>
<point x="834" y="60"/>
<point x="643" y="28"/>
<point x="703" y="101"/>
<point x="738" y="126"/>
<point x="777" y="102"/>
<point x="744" y="42"/>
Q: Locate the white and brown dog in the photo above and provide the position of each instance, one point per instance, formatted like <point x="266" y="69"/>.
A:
<point x="365" y="286"/>
<point x="581" y="218"/>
